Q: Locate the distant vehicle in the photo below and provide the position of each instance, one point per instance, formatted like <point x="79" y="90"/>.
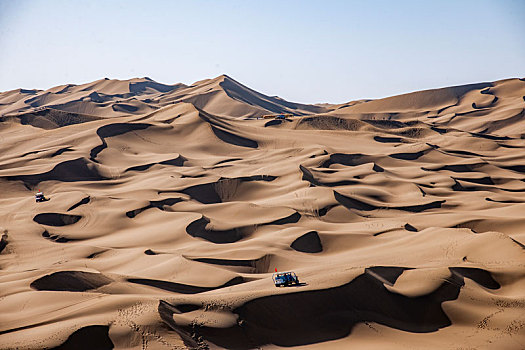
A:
<point x="285" y="279"/>
<point x="39" y="197"/>
<point x="278" y="116"/>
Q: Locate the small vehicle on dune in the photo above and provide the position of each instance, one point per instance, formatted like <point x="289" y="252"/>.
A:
<point x="39" y="197"/>
<point x="285" y="279"/>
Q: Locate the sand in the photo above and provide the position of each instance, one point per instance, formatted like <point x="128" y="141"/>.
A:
<point x="170" y="206"/>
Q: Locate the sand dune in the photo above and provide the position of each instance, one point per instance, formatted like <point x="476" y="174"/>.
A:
<point x="170" y="206"/>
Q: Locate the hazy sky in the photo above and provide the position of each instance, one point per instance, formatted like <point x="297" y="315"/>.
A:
<point x="303" y="51"/>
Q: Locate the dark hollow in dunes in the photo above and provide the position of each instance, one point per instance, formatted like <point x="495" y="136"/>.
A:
<point x="198" y="229"/>
<point x="516" y="168"/>
<point x="481" y="277"/>
<point x="56" y="238"/>
<point x="464" y="153"/>
<point x="60" y="151"/>
<point x="485" y="105"/>
<point x="518" y="243"/>
<point x="123" y="107"/>
<point x="273" y="122"/>
<point x="308" y="176"/>
<point x="227" y="161"/>
<point x="421" y="207"/>
<point x="457" y="168"/>
<point x="410" y="228"/>
<point x="3" y="241"/>
<point x="226" y="262"/>
<point x="408" y="156"/>
<point x="482" y="181"/>
<point x="166" y="312"/>
<point x="490" y="137"/>
<point x="179" y="161"/>
<point x="308" y="243"/>
<point x="204" y="193"/>
<point x="233" y="139"/>
<point x="68" y="171"/>
<point x="388" y="139"/>
<point x="56" y="219"/>
<point x="310" y="317"/>
<point x="183" y="308"/>
<point x="154" y="204"/>
<point x="71" y="281"/>
<point x="221" y="190"/>
<point x="377" y="168"/>
<point x="114" y="130"/>
<point x="347" y="159"/>
<point x="467" y="187"/>
<point x="352" y="203"/>
<point x="390" y="274"/>
<point x="439" y="130"/>
<point x="259" y="265"/>
<point x="510" y="201"/>
<point x="88" y="338"/>
<point x="81" y="202"/>
<point x="182" y="288"/>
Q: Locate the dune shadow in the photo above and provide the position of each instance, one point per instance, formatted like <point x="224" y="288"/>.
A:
<point x="223" y="189"/>
<point x="309" y="176"/>
<point x="83" y="201"/>
<point x="233" y="139"/>
<point x="161" y="204"/>
<point x="310" y="317"/>
<point x="56" y="238"/>
<point x="183" y="288"/>
<point x="3" y="241"/>
<point x="198" y="229"/>
<point x="273" y="122"/>
<point x="308" y="243"/>
<point x="88" y="338"/>
<point x="56" y="219"/>
<point x="179" y="161"/>
<point x="388" y="139"/>
<point x="352" y="203"/>
<point x="259" y="265"/>
<point x="74" y="170"/>
<point x="112" y="130"/>
<point x="408" y="156"/>
<point x="70" y="281"/>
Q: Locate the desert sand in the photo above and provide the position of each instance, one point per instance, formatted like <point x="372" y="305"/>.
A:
<point x="170" y="206"/>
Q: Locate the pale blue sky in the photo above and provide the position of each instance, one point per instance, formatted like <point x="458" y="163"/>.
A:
<point x="303" y="51"/>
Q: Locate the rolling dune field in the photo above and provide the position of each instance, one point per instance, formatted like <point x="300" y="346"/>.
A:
<point x="170" y="207"/>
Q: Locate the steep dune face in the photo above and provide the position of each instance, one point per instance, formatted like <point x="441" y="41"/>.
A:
<point x="170" y="208"/>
